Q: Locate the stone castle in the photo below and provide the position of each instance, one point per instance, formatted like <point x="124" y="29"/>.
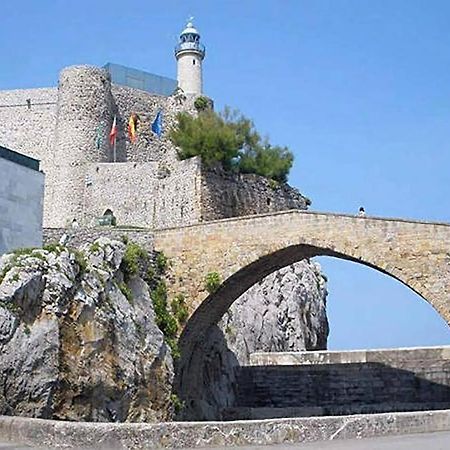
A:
<point x="141" y="183"/>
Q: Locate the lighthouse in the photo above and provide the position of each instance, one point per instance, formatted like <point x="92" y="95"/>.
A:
<point x="190" y="54"/>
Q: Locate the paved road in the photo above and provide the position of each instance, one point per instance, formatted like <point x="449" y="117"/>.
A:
<point x="431" y="441"/>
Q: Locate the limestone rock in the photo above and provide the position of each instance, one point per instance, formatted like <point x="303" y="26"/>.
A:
<point x="284" y="312"/>
<point x="73" y="346"/>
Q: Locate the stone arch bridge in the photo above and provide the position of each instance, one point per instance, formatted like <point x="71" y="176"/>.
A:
<point x="244" y="250"/>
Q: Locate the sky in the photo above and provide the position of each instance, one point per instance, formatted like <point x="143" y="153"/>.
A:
<point x="359" y="90"/>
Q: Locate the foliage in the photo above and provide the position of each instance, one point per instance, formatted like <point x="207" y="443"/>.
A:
<point x="179" y="309"/>
<point x="81" y="261"/>
<point x="53" y="247"/>
<point x="95" y="247"/>
<point x="161" y="262"/>
<point x="134" y="253"/>
<point x="270" y="162"/>
<point x="201" y="103"/>
<point x="164" y="320"/>
<point x="177" y="404"/>
<point x="174" y="348"/>
<point x="212" y="282"/>
<point x="23" y="251"/>
<point x="231" y="140"/>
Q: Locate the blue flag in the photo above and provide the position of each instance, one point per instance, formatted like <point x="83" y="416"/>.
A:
<point x="157" y="124"/>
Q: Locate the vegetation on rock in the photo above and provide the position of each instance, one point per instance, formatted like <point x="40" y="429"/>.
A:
<point x="212" y="282"/>
<point x="230" y="139"/>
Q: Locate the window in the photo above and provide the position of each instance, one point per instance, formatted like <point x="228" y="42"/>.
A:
<point x="193" y="62"/>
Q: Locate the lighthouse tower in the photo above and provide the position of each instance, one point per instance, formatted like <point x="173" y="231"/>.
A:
<point x="190" y="53"/>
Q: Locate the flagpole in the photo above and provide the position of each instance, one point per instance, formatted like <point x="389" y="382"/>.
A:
<point x="114" y="157"/>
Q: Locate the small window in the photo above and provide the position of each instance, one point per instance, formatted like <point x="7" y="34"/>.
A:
<point x="193" y="62"/>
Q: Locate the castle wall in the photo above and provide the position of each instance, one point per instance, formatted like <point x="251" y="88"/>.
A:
<point x="148" y="146"/>
<point x="84" y="102"/>
<point x="230" y="195"/>
<point x="28" y="130"/>
<point x="178" y="195"/>
<point x="143" y="194"/>
<point x="124" y="188"/>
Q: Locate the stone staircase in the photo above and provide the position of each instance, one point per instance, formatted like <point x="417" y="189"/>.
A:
<point x="315" y="389"/>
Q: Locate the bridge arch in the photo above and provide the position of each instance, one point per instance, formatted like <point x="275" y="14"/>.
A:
<point x="244" y="250"/>
<point x="212" y="309"/>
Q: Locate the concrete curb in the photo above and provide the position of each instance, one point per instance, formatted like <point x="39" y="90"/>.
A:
<point x="58" y="434"/>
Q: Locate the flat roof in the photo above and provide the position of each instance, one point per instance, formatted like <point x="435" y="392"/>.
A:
<point x="19" y="158"/>
<point x="140" y="79"/>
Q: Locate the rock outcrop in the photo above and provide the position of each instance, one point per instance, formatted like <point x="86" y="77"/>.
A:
<point x="79" y="338"/>
<point x="73" y="346"/>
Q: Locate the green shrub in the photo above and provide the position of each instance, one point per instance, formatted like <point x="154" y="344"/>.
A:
<point x="23" y="251"/>
<point x="179" y="309"/>
<point x="177" y="404"/>
<point x="161" y="262"/>
<point x="174" y="348"/>
<point x="95" y="247"/>
<point x="165" y="321"/>
<point x="134" y="254"/>
<point x="4" y="271"/>
<point x="53" y="247"/>
<point x="212" y="282"/>
<point x="231" y="140"/>
<point x="81" y="261"/>
<point x="201" y="103"/>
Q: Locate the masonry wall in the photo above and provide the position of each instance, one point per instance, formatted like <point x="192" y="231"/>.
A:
<point x="148" y="146"/>
<point x="332" y="383"/>
<point x="144" y="194"/>
<point x="230" y="195"/>
<point x="28" y="130"/>
<point x="21" y="202"/>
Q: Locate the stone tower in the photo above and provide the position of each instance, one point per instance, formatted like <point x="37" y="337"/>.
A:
<point x="190" y="53"/>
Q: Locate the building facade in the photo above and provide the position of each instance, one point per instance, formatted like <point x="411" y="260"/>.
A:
<point x="21" y="201"/>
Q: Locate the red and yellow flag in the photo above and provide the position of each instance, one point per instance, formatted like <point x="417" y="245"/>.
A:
<point x="132" y="126"/>
<point x="113" y="132"/>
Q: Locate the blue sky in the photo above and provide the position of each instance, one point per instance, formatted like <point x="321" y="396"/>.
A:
<point x="358" y="89"/>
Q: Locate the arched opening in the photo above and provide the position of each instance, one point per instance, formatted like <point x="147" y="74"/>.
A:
<point x="369" y="311"/>
<point x="201" y="334"/>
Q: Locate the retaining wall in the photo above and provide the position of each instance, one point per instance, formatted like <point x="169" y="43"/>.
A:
<point x="136" y="436"/>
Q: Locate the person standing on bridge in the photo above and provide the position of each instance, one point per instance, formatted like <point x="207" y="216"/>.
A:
<point x="362" y="212"/>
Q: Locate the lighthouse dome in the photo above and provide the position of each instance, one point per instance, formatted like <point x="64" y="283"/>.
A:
<point x="190" y="29"/>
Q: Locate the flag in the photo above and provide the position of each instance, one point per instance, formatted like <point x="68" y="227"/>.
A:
<point x="157" y="124"/>
<point x="113" y="132"/>
<point x="132" y="126"/>
<point x="98" y="138"/>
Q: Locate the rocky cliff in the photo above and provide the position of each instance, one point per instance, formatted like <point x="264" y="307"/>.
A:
<point x="79" y="338"/>
<point x="73" y="346"/>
